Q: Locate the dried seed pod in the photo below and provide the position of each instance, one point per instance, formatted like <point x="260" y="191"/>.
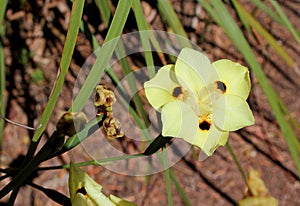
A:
<point x="112" y="127"/>
<point x="258" y="193"/>
<point x="104" y="99"/>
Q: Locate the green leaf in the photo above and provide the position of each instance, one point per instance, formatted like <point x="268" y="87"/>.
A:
<point x="286" y="22"/>
<point x="263" y="6"/>
<point x="53" y="194"/>
<point x="104" y="8"/>
<point x="264" y="33"/>
<point x="167" y="177"/>
<point x="142" y="26"/>
<point x="180" y="190"/>
<point x="158" y="143"/>
<point x="2" y="72"/>
<point x="121" y="53"/>
<point x="103" y="54"/>
<point x="168" y="14"/>
<point x="63" y="68"/>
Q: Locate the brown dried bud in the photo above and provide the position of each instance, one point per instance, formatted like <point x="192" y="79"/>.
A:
<point x="112" y="128"/>
<point x="258" y="193"/>
<point x="104" y="99"/>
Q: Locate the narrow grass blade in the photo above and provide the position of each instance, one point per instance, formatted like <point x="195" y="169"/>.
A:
<point x="143" y="25"/>
<point x="93" y="162"/>
<point x="237" y="37"/>
<point x="286" y="22"/>
<point x="115" y="78"/>
<point x="69" y="46"/>
<point x="95" y="74"/>
<point x="2" y="72"/>
<point x="2" y="95"/>
<point x="103" y="6"/>
<point x="180" y="190"/>
<point x="2" y="14"/>
<point x="53" y="194"/>
<point x="103" y="54"/>
<point x="264" y="33"/>
<point x="146" y="37"/>
<point x="262" y="5"/>
<point x="64" y="65"/>
<point x="167" y="177"/>
<point x="243" y="18"/>
<point x="280" y="16"/>
<point x="84" y="28"/>
<point x="120" y="51"/>
<point x="136" y="117"/>
<point x="168" y="14"/>
<point x="210" y="11"/>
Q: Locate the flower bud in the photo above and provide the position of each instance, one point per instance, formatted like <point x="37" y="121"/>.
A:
<point x="71" y="122"/>
<point x="84" y="191"/>
<point x="258" y="193"/>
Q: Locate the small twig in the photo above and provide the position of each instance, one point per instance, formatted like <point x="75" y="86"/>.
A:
<point x="18" y="124"/>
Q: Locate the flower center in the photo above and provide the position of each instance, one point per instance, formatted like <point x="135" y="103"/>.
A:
<point x="204" y="123"/>
<point x="82" y="191"/>
<point x="179" y="93"/>
<point x="203" y="101"/>
<point x="221" y="86"/>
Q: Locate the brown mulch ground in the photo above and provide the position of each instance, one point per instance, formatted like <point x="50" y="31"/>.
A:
<point x="38" y="28"/>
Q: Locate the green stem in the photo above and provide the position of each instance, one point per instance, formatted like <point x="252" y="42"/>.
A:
<point x="180" y="190"/>
<point x="167" y="177"/>
<point x="93" y="162"/>
<point x="236" y="161"/>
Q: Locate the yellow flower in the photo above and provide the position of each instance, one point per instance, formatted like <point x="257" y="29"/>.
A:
<point x="199" y="101"/>
<point x="84" y="191"/>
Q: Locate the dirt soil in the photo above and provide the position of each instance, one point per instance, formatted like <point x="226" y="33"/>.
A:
<point x="37" y="30"/>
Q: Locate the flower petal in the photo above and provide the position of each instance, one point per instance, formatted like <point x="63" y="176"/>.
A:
<point x="231" y="113"/>
<point x="83" y="189"/>
<point x="120" y="202"/>
<point x="159" y="89"/>
<point x="234" y="76"/>
<point x="209" y="140"/>
<point x="178" y="120"/>
<point x="79" y="179"/>
<point x="193" y="69"/>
